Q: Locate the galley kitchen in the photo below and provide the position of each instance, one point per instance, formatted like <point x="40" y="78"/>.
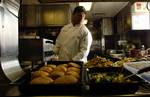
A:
<point x="118" y="61"/>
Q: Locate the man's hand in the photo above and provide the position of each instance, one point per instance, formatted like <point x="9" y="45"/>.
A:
<point x="54" y="58"/>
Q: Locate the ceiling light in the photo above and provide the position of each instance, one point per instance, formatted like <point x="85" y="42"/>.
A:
<point x="86" y="5"/>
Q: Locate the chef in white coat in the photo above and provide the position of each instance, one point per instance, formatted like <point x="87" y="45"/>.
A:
<point x="74" y="41"/>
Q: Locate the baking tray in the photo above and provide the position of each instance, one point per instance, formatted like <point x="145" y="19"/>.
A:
<point x="53" y="89"/>
<point x="112" y="88"/>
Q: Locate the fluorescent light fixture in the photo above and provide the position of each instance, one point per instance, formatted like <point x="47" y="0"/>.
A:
<point x="86" y="5"/>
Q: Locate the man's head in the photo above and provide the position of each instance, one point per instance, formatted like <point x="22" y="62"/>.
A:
<point x="78" y="15"/>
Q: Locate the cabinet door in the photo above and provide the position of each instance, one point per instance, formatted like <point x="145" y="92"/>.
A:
<point x="54" y="15"/>
<point x="124" y="20"/>
<point x="107" y="26"/>
<point x="61" y="15"/>
<point x="128" y="23"/>
<point x="46" y="15"/>
<point x="119" y="24"/>
<point x="29" y="15"/>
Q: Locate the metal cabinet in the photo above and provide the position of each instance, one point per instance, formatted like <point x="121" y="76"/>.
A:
<point x="8" y="34"/>
<point x="54" y="15"/>
<point x="123" y="19"/>
<point x="1" y="24"/>
<point x="43" y="20"/>
<point x="107" y="26"/>
<point x="44" y="15"/>
<point x="28" y="15"/>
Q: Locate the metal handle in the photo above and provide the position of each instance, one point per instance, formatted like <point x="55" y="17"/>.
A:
<point x="148" y="6"/>
<point x="143" y="70"/>
<point x="139" y="72"/>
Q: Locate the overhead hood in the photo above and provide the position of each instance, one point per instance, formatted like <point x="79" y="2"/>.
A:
<point x="10" y="69"/>
<point x="12" y="6"/>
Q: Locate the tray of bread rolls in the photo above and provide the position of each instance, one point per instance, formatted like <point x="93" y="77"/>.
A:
<point x="55" y="78"/>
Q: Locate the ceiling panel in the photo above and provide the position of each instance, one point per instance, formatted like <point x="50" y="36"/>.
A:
<point x="106" y="9"/>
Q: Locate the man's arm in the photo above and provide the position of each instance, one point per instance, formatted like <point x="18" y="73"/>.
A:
<point x="57" y="45"/>
<point x="85" y="44"/>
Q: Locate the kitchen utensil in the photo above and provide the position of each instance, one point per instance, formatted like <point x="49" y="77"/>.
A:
<point x="139" y="72"/>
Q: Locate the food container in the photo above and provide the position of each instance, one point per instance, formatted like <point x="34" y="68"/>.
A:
<point x="53" y="89"/>
<point x="109" y="86"/>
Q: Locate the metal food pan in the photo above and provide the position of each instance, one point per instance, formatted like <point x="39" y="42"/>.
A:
<point x="105" y="69"/>
<point x="112" y="88"/>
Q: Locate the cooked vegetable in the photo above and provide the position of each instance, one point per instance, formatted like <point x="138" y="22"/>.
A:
<point x="99" y="62"/>
<point x="107" y="77"/>
<point x="103" y="62"/>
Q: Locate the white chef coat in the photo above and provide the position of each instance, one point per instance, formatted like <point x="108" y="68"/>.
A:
<point x="73" y="43"/>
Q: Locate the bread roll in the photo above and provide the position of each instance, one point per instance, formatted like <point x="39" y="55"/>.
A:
<point x="67" y="79"/>
<point x="60" y="68"/>
<point x="51" y="65"/>
<point x="71" y="64"/>
<point x="56" y="74"/>
<point x="41" y="80"/>
<point x="39" y="73"/>
<point x="73" y="73"/>
<point x="73" y="69"/>
<point x="46" y="69"/>
<point x="66" y="65"/>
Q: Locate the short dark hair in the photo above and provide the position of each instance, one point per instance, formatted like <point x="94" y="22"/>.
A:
<point x="79" y="9"/>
